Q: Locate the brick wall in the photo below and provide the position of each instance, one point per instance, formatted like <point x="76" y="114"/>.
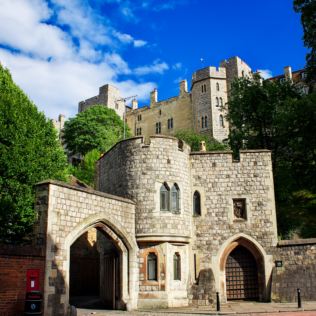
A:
<point x="298" y="270"/>
<point x="14" y="262"/>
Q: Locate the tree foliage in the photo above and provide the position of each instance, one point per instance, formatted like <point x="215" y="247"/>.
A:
<point x="98" y="127"/>
<point x="273" y="115"/>
<point x="307" y="8"/>
<point x="193" y="139"/>
<point x="85" y="171"/>
<point x="29" y="153"/>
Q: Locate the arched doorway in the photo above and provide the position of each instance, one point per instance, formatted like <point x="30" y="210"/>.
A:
<point x="95" y="271"/>
<point x="242" y="278"/>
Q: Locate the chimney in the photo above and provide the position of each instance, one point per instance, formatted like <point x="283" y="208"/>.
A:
<point x="288" y="73"/>
<point x="153" y="97"/>
<point x="183" y="87"/>
<point x="202" y="145"/>
<point x="134" y="104"/>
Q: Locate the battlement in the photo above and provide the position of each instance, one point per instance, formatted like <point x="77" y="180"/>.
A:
<point x="209" y="72"/>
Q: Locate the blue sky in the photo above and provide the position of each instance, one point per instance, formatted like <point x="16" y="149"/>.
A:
<point x="61" y="51"/>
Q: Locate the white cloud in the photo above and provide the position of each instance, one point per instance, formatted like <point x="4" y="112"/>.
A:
<point x="57" y="86"/>
<point x="265" y="73"/>
<point x="58" y="69"/>
<point x="157" y="67"/>
<point x="22" y="28"/>
<point x="139" y="43"/>
<point x="177" y="66"/>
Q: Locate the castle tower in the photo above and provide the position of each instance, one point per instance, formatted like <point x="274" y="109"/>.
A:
<point x="108" y="96"/>
<point x="209" y="97"/>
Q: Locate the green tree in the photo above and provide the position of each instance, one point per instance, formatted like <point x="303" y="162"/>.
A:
<point x="98" y="127"/>
<point x="273" y="115"/>
<point x="307" y="8"/>
<point x="85" y="171"/>
<point x="29" y="153"/>
<point x="193" y="139"/>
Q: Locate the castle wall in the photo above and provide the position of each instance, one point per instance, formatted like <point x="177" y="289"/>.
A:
<point x="178" y="108"/>
<point x="298" y="270"/>
<point x="66" y="212"/>
<point x="219" y="180"/>
<point x="136" y="170"/>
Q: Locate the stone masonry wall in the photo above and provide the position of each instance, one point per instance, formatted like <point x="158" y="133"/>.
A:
<point x="222" y="180"/>
<point x="135" y="170"/>
<point x="219" y="180"/>
<point x="70" y="212"/>
<point x="298" y="270"/>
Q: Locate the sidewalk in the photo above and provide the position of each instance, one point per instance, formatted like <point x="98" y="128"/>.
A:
<point x="237" y="308"/>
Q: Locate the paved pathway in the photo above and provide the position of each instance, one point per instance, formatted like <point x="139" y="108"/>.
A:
<point x="238" y="308"/>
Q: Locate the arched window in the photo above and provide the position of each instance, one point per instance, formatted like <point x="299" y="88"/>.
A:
<point x="217" y="86"/>
<point x="164" y="197"/>
<point x="217" y="101"/>
<point x="196" y="204"/>
<point x="202" y="121"/>
<point x="175" y="198"/>
<point x="176" y="266"/>
<point x="152" y="267"/>
<point x="221" y="101"/>
<point x="221" y="121"/>
<point x="205" y="121"/>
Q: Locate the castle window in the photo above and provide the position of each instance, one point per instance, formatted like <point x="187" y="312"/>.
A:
<point x="159" y="112"/>
<point x="202" y="121"/>
<point x="138" y="131"/>
<point x="221" y="121"/>
<point x="203" y="87"/>
<point x="240" y="211"/>
<point x="217" y="101"/>
<point x="158" y="128"/>
<point x="243" y="74"/>
<point x="196" y="204"/>
<point x="221" y="101"/>
<point x="205" y="121"/>
<point x="175" y="199"/>
<point x="217" y="86"/>
<point x="164" y="197"/>
<point x="139" y="117"/>
<point x="152" y="267"/>
<point x="170" y="123"/>
<point x="176" y="266"/>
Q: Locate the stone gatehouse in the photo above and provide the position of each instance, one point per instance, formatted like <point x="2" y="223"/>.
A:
<point x="167" y="227"/>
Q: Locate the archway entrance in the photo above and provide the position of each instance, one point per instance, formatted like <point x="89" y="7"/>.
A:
<point x="95" y="271"/>
<point x="242" y="278"/>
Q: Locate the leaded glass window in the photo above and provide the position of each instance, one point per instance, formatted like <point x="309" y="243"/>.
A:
<point x="176" y="266"/>
<point x="196" y="203"/>
<point x="164" y="197"/>
<point x="152" y="267"/>
<point x="175" y="198"/>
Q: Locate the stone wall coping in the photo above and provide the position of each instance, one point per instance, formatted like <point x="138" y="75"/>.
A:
<point x="85" y="190"/>
<point x="296" y="242"/>
<point x="229" y="152"/>
<point x="143" y="140"/>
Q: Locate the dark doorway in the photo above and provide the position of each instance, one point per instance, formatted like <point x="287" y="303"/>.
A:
<point x="94" y="271"/>
<point x="241" y="275"/>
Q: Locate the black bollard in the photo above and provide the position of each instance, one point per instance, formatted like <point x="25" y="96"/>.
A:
<point x="299" y="300"/>
<point x="218" y="304"/>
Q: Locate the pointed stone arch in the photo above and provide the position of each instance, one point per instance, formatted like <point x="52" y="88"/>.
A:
<point x="263" y="260"/>
<point x="125" y="244"/>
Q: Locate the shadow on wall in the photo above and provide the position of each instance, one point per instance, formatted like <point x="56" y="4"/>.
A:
<point x="203" y="291"/>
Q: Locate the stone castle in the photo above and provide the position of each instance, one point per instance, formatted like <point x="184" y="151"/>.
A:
<point x="168" y="227"/>
<point x="201" y="109"/>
